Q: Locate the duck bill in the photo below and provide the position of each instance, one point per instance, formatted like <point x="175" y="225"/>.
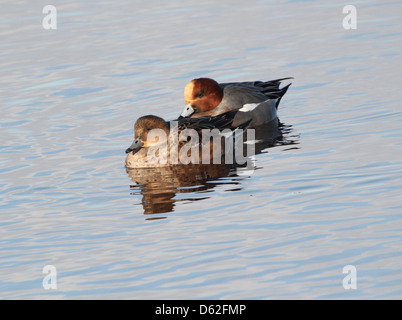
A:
<point x="135" y="146"/>
<point x="188" y="111"/>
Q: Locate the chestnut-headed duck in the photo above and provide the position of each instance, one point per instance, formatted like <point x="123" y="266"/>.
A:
<point x="155" y="138"/>
<point x="256" y="101"/>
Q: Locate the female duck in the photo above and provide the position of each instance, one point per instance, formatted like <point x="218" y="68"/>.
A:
<point x="159" y="143"/>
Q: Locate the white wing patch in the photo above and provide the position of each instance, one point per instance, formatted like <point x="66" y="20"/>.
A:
<point x="249" y="107"/>
<point x="252" y="141"/>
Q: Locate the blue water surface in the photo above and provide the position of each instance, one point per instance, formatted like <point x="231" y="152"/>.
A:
<point x="326" y="197"/>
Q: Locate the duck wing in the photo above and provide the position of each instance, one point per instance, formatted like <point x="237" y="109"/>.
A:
<point x="237" y="94"/>
<point x="221" y="121"/>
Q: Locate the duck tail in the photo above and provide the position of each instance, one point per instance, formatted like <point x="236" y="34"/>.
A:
<point x="272" y="91"/>
<point x="282" y="93"/>
<point x="271" y="84"/>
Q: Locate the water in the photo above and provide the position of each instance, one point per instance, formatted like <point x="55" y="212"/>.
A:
<point x="69" y="98"/>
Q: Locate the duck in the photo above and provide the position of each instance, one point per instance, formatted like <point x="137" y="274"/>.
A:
<point x="158" y="142"/>
<point x="256" y="101"/>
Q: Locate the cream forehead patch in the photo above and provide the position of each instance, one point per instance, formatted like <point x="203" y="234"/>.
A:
<point x="188" y="90"/>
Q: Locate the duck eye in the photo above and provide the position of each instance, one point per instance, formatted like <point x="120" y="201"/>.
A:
<point x="201" y="94"/>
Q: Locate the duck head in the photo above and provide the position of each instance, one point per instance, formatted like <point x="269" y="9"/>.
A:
<point x="142" y="127"/>
<point x="201" y="95"/>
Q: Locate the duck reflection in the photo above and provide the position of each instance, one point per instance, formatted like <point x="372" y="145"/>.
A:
<point x="162" y="186"/>
<point x="159" y="186"/>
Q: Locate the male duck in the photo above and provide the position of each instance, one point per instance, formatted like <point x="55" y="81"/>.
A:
<point x="257" y="101"/>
